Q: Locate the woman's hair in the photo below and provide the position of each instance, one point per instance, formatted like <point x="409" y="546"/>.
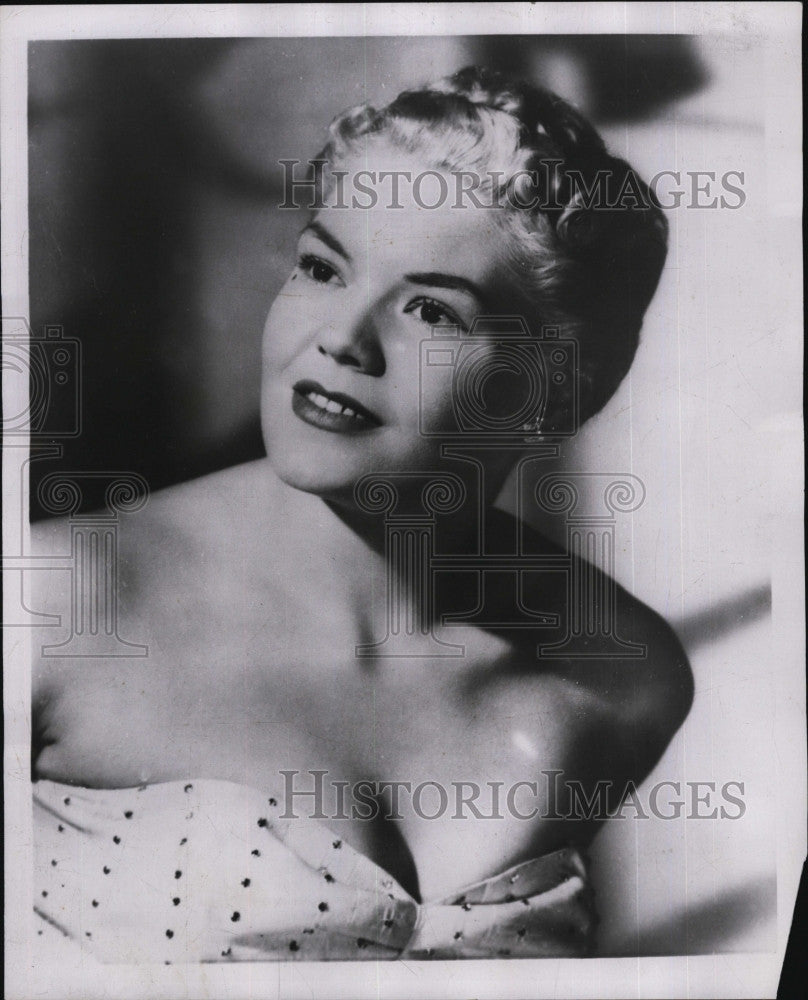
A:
<point x="587" y="239"/>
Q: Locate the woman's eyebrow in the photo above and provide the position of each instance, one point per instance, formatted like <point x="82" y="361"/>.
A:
<point x="436" y="279"/>
<point x="330" y="241"/>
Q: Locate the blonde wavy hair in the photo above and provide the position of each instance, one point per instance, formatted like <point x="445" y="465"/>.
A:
<point x="589" y="265"/>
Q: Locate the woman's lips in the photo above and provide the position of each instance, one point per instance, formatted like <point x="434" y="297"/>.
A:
<point x="331" y="411"/>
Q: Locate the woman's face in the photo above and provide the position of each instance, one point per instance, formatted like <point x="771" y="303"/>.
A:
<point x="341" y="394"/>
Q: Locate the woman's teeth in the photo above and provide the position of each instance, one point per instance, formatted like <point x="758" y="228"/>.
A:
<point x="331" y="406"/>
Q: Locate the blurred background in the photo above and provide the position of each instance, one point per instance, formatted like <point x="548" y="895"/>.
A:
<point x="155" y="240"/>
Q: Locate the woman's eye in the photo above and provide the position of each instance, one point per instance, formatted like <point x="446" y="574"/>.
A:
<point x="434" y="314"/>
<point x="317" y="269"/>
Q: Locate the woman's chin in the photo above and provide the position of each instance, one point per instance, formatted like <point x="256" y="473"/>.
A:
<point x="309" y="477"/>
<point x="331" y="466"/>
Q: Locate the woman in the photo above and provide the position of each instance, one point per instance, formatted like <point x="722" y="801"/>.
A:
<point x="207" y="803"/>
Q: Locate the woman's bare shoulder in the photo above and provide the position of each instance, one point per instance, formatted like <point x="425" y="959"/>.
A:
<point x="621" y="663"/>
<point x="166" y="560"/>
<point x="174" y="523"/>
<point x="196" y="514"/>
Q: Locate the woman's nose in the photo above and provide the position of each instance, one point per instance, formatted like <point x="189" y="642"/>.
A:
<point x="350" y="337"/>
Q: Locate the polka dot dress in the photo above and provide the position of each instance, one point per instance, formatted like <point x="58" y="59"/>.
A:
<point x="208" y="871"/>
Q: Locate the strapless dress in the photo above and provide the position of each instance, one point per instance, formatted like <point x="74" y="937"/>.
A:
<point x="208" y="871"/>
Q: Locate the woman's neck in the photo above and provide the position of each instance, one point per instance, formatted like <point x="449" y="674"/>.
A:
<point x="336" y="547"/>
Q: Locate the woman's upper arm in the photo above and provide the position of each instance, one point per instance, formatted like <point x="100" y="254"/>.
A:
<point x="50" y="593"/>
<point x="666" y="694"/>
<point x="633" y="707"/>
<point x="653" y="695"/>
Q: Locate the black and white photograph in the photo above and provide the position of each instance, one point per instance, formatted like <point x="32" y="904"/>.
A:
<point x="403" y="493"/>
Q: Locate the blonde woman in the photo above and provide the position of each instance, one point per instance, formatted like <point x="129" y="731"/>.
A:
<point x="247" y="791"/>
